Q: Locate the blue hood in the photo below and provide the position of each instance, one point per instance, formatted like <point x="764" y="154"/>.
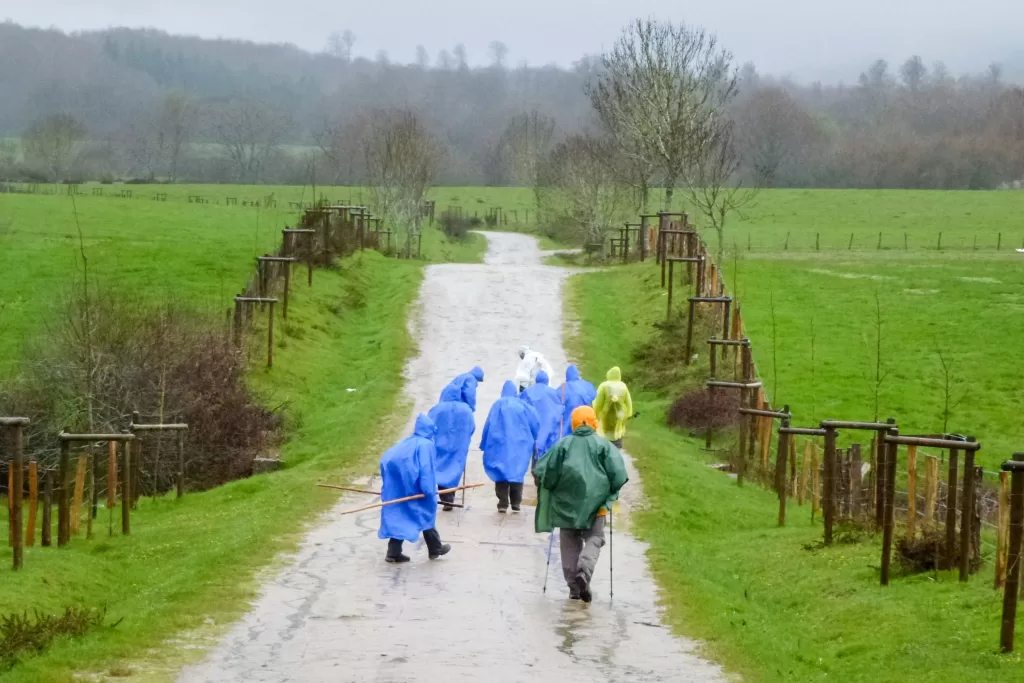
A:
<point x="542" y="378"/>
<point x="478" y="372"/>
<point x="572" y="373"/>
<point x="451" y="392"/>
<point x="425" y="427"/>
<point x="508" y="389"/>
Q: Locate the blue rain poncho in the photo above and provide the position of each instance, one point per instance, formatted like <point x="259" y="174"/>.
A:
<point x="466" y="384"/>
<point x="574" y="393"/>
<point x="509" y="438"/>
<point x="455" y="427"/>
<point x="407" y="469"/>
<point x="545" y="401"/>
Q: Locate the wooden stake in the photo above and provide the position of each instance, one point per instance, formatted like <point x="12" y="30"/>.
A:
<point x="63" y="519"/>
<point x="792" y="463"/>
<point x="126" y="489"/>
<point x="815" y="476"/>
<point x="911" y="491"/>
<point x="33" y="503"/>
<point x="90" y="481"/>
<point x="76" y="502"/>
<point x="10" y="507"/>
<point x="1003" y="534"/>
<point x="47" y="531"/>
<point x="805" y="472"/>
<point x="112" y="475"/>
<point x="181" y="458"/>
<point x="931" y="489"/>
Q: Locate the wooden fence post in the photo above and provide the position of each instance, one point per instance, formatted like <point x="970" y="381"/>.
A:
<point x="856" y="482"/>
<point x="1003" y="534"/>
<point x="889" y="493"/>
<point x="954" y="456"/>
<point x="111" y="474"/>
<point x="33" y="503"/>
<point x="126" y="488"/>
<point x="805" y="471"/>
<point x="911" y="491"/>
<point x="79" y="491"/>
<point x="791" y="450"/>
<point x="816" y="481"/>
<point x="47" y="530"/>
<point x="931" y="489"/>
<point x="1012" y="589"/>
<point x="780" y="472"/>
<point x="63" y="518"/>
<point x="15" y="492"/>
<point x="828" y="501"/>
<point x="967" y="514"/>
<point x="270" y="336"/>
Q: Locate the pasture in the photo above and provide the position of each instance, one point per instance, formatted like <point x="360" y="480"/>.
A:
<point x="814" y="316"/>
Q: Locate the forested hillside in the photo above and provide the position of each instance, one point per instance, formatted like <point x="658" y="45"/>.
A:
<point x="136" y="103"/>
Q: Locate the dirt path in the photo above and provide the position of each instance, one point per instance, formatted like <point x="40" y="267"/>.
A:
<point x="339" y="613"/>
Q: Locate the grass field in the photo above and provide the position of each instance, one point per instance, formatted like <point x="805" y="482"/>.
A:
<point x="763" y="605"/>
<point x="188" y="567"/>
<point x="201" y="252"/>
<point x="960" y="304"/>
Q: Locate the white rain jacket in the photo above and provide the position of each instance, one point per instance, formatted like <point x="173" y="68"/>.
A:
<point x="529" y="366"/>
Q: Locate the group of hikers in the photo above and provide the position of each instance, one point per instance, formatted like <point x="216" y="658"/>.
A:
<point x="568" y="438"/>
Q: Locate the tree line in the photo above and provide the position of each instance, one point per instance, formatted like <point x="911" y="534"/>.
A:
<point x="145" y="105"/>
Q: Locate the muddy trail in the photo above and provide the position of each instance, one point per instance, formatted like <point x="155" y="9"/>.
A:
<point x="339" y="613"/>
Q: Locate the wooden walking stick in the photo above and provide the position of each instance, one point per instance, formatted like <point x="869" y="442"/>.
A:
<point x="611" y="554"/>
<point x="408" y="498"/>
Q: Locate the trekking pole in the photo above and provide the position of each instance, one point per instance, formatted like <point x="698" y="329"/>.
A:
<point x="547" y="569"/>
<point x="611" y="554"/>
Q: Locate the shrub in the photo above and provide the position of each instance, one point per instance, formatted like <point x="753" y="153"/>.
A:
<point x="703" y="409"/>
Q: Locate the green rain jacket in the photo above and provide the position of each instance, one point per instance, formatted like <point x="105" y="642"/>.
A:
<point x="576" y="478"/>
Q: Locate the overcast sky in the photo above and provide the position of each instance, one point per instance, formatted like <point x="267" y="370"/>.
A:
<point x="806" y="39"/>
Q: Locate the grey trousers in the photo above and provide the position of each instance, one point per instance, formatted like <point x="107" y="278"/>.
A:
<point x="580" y="549"/>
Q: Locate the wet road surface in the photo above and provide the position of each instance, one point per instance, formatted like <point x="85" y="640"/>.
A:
<point x="339" y="613"/>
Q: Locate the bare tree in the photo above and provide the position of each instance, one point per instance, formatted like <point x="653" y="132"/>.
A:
<point x="712" y="183"/>
<point x="499" y="52"/>
<point x="525" y="142"/>
<point x="341" y="142"/>
<point x="949" y="383"/>
<point x="461" y="57"/>
<point x="177" y="125"/>
<point x="913" y="73"/>
<point x="249" y="132"/>
<point x="773" y="128"/>
<point x="580" y="198"/>
<point x="401" y="160"/>
<point x="661" y="87"/>
<point x="340" y="45"/>
<point x="422" y="57"/>
<point x="54" y="143"/>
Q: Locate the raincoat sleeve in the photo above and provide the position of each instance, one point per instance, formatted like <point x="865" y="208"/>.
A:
<point x="615" y="469"/>
<point x="469" y="394"/>
<point x="534" y="421"/>
<point x="549" y="467"/>
<point x="602" y="398"/>
<point x="627" y="402"/>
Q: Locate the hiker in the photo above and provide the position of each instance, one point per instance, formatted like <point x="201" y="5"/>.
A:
<point x="407" y="469"/>
<point x="530" y="363"/>
<point x="466" y="383"/>
<point x="614" y="406"/>
<point x="545" y="401"/>
<point x="455" y="427"/>
<point x="577" y="482"/>
<point x="508" y="443"/>
<point x="575" y="392"/>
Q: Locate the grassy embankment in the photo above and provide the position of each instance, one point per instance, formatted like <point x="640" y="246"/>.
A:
<point x="765" y="605"/>
<point x="190" y="564"/>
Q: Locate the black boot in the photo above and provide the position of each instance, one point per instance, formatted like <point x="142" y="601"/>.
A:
<point x="515" y="494"/>
<point x="435" y="548"/>
<point x="395" y="555"/>
<point x="447" y="498"/>
<point x="583" y="587"/>
<point x="501" y="490"/>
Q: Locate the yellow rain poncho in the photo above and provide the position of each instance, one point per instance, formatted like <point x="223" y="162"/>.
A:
<point x="613" y="405"/>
